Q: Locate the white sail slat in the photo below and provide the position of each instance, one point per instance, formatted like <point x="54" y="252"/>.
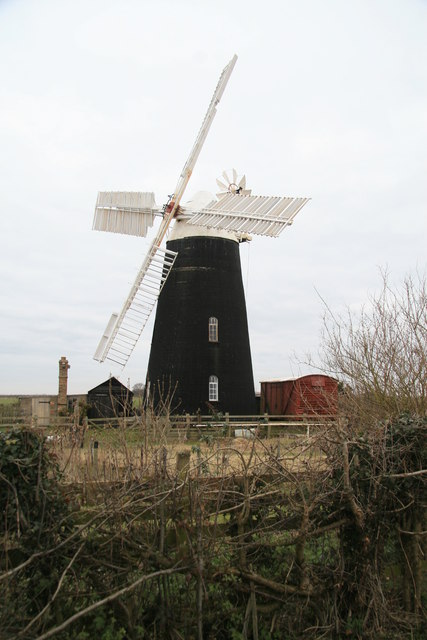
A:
<point x="127" y="212"/>
<point x="123" y="330"/>
<point x="105" y="337"/>
<point x="260" y="215"/>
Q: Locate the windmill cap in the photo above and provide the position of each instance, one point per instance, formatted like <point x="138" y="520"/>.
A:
<point x="199" y="201"/>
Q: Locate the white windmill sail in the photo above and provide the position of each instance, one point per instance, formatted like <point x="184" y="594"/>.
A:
<point x="128" y="212"/>
<point x="200" y="139"/>
<point x="124" y="329"/>
<point x="261" y="215"/>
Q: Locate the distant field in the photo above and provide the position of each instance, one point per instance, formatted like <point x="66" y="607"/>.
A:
<point x="8" y="400"/>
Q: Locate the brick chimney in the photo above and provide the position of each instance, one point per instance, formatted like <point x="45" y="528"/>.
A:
<point x="62" y="387"/>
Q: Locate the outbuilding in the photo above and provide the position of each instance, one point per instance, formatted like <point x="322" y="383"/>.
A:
<point x="312" y="394"/>
<point x="109" y="399"/>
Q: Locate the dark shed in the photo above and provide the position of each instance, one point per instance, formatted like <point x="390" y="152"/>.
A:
<point x="313" y="394"/>
<point x="109" y="399"/>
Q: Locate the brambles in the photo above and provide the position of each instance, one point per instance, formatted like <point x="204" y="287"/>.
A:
<point x="288" y="544"/>
<point x="30" y="500"/>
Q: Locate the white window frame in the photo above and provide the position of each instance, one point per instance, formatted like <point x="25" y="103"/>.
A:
<point x="213" y="389"/>
<point x="213" y="329"/>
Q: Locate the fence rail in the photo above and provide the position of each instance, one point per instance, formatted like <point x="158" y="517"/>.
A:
<point x="189" y="427"/>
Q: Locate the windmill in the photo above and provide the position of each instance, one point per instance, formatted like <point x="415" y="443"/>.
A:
<point x="200" y="350"/>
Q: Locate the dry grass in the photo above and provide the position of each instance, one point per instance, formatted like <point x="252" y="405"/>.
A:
<point x="115" y="455"/>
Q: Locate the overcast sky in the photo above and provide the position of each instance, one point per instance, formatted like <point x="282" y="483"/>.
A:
<point x="327" y="100"/>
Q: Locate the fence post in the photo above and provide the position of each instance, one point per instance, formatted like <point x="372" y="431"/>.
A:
<point x="267" y="422"/>
<point x="227" y="422"/>
<point x="93" y="451"/>
<point x="182" y="464"/>
<point x="182" y="469"/>
<point x="187" y="426"/>
<point x="95" y="456"/>
<point x="76" y="415"/>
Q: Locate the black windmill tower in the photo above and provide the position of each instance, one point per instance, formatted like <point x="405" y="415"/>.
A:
<point x="200" y="354"/>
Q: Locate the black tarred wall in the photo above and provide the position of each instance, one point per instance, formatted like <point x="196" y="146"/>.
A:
<point x="205" y="281"/>
<point x="109" y="399"/>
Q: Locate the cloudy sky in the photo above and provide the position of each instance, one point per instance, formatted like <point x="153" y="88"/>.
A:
<point x="327" y="100"/>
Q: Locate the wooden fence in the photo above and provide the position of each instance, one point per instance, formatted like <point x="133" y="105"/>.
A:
<point x="188" y="427"/>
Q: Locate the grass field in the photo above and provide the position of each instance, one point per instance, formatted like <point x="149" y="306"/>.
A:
<point x="113" y="454"/>
<point x="6" y="401"/>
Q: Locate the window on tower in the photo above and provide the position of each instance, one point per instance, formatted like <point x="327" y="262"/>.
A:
<point x="213" y="329"/>
<point x="213" y="388"/>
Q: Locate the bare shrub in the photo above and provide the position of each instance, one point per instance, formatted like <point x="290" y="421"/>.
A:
<point x="380" y="353"/>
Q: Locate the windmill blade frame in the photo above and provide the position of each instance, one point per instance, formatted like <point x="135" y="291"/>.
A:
<point x="201" y="136"/>
<point x="123" y="332"/>
<point x="261" y="215"/>
<point x="126" y="212"/>
<point x="124" y="329"/>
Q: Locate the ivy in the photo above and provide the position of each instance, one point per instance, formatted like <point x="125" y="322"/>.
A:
<point x="30" y="498"/>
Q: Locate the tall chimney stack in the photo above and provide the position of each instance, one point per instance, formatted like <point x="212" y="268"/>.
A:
<point x="62" y="387"/>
